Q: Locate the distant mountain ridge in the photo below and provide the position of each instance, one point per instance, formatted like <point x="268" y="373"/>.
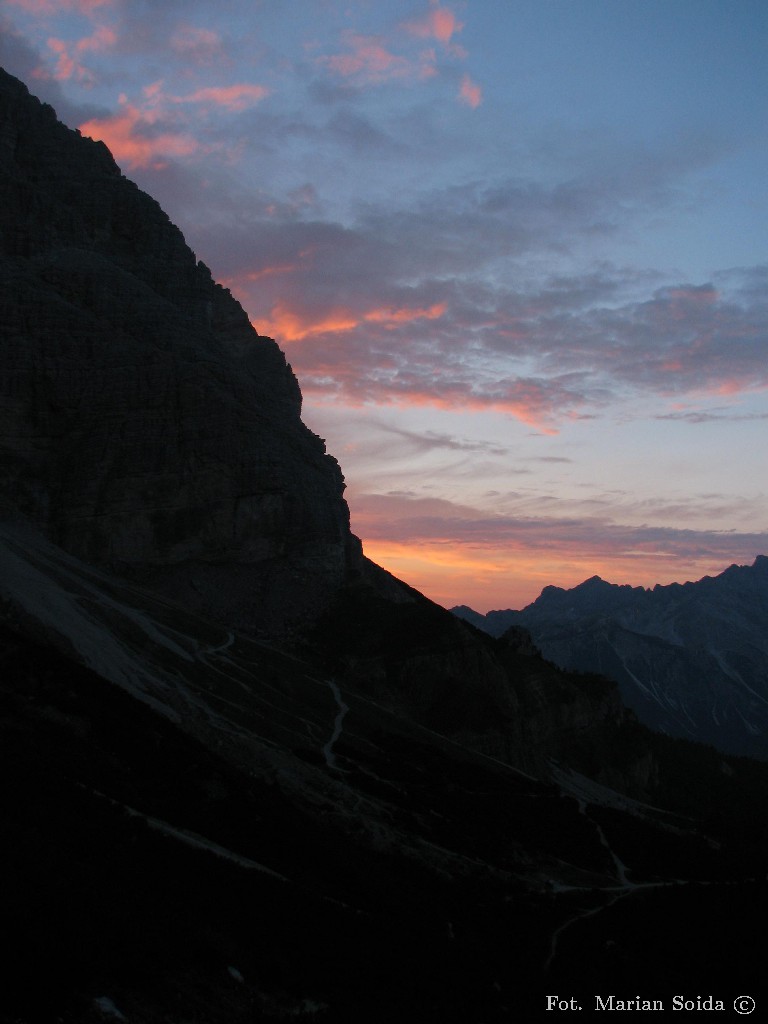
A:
<point x="690" y="659"/>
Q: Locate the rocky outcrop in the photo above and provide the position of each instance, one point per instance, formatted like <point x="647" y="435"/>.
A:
<point x="145" y="425"/>
<point x="497" y="696"/>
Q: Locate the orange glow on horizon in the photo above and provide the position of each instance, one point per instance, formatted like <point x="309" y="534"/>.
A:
<point x="487" y="579"/>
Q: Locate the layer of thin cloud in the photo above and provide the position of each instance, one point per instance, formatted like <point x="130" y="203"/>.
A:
<point x="570" y="344"/>
<point x="397" y="517"/>
<point x="86" y="7"/>
<point x="431" y="440"/>
<point x="453" y="551"/>
<point x="586" y="339"/>
<point x="712" y="416"/>
<point x="533" y="402"/>
<point x="525" y="354"/>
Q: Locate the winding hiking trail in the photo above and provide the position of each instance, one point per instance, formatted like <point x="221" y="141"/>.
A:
<point x="328" y="754"/>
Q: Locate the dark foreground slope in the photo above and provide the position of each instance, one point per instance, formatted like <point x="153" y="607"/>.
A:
<point x="247" y="775"/>
<point x="206" y="829"/>
<point x="690" y="659"/>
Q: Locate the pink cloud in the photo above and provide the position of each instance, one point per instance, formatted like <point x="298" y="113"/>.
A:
<point x="368" y="59"/>
<point x="133" y="141"/>
<point x="66" y="67"/>
<point x="440" y="23"/>
<point x="371" y="60"/>
<point x="101" y="39"/>
<point x="470" y="93"/>
<point x="68" y="64"/>
<point x="136" y="135"/>
<point x="290" y="325"/>
<point x="231" y="97"/>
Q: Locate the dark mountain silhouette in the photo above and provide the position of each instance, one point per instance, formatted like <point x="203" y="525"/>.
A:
<point x="247" y="774"/>
<point x="690" y="659"/>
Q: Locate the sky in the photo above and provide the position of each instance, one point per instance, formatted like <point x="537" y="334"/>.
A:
<point x="515" y="253"/>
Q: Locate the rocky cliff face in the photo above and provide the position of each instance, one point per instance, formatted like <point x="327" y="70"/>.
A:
<point x="145" y="425"/>
<point x="496" y="696"/>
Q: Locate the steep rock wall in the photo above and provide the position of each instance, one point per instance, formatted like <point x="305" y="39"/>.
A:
<point x="144" y="424"/>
